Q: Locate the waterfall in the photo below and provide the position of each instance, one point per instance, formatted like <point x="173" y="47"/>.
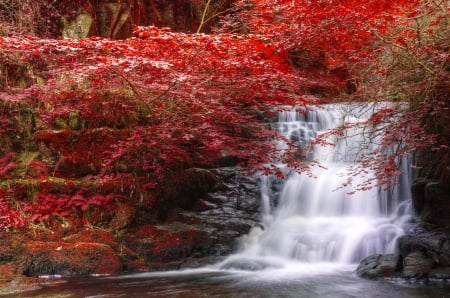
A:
<point x="316" y="220"/>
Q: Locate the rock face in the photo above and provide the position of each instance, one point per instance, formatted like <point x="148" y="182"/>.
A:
<point x="431" y="200"/>
<point x="210" y="228"/>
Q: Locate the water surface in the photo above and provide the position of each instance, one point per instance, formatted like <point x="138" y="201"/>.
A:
<point x="332" y="283"/>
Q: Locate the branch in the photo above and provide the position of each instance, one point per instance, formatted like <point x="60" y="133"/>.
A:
<point x="395" y="45"/>
<point x="135" y="91"/>
<point x="205" y="11"/>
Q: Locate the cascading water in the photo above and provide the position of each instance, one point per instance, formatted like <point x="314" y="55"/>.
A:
<point x="317" y="220"/>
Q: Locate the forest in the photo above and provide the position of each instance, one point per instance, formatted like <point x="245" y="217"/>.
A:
<point x="114" y="115"/>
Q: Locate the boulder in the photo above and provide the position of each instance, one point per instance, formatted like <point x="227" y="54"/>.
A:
<point x="379" y="266"/>
<point x="68" y="259"/>
<point x="423" y="255"/>
<point x="417" y="264"/>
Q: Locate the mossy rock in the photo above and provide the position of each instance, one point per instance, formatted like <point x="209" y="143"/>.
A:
<point x="80" y="27"/>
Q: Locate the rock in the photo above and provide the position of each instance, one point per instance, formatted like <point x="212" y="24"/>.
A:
<point x="440" y="273"/>
<point x="431" y="201"/>
<point x="13" y="283"/>
<point x="183" y="190"/>
<point x="67" y="259"/>
<point x="379" y="266"/>
<point x="444" y="254"/>
<point x="425" y="254"/>
<point x="408" y="244"/>
<point x="80" y="27"/>
<point x="417" y="264"/>
<point x="444" y="179"/>
<point x="418" y="194"/>
<point x="437" y="205"/>
<point x="225" y="205"/>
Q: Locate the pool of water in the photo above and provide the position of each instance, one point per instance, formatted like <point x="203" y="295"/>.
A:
<point x="333" y="283"/>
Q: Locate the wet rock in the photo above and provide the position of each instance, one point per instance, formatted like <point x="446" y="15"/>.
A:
<point x="410" y="243"/>
<point x="444" y="179"/>
<point x="379" y="266"/>
<point x="417" y="264"/>
<point x="209" y="211"/>
<point x="440" y="273"/>
<point x="423" y="255"/>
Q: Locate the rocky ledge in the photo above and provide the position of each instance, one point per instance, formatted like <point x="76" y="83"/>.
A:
<point x="424" y="255"/>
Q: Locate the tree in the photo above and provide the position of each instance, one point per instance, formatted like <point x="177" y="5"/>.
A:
<point x="108" y="120"/>
<point x="395" y="51"/>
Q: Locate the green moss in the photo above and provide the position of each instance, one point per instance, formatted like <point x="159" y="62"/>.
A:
<point x="23" y="159"/>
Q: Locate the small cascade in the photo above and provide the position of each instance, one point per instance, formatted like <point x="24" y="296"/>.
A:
<point x="318" y="220"/>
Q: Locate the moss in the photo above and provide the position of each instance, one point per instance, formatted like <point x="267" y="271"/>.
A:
<point x="23" y="160"/>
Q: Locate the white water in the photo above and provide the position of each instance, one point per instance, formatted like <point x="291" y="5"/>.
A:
<point x="317" y="225"/>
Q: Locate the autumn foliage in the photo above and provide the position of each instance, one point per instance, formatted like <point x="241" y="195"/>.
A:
<point x="89" y="123"/>
<point x="107" y="120"/>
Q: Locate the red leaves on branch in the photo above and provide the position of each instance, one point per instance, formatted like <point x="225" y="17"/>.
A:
<point x="341" y="29"/>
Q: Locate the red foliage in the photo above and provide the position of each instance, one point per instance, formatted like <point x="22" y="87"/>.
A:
<point x="9" y="217"/>
<point x="6" y="165"/>
<point x="121" y="115"/>
<point x="341" y="29"/>
<point x="49" y="205"/>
